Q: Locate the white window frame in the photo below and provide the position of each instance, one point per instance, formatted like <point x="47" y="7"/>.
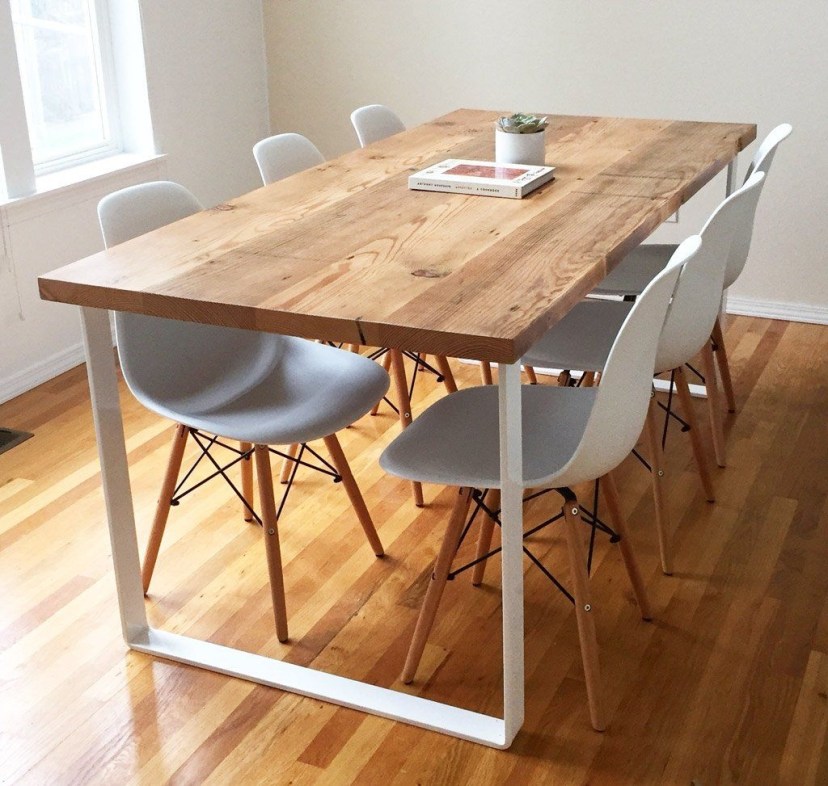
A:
<point x="19" y="172"/>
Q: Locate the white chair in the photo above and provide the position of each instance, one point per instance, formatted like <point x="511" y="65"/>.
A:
<point x="284" y="155"/>
<point x="375" y="122"/>
<point x="637" y="269"/>
<point x="570" y="436"/>
<point x="584" y="337"/>
<point x="258" y="388"/>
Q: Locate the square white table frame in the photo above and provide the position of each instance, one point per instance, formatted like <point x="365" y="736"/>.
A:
<point x="445" y="718"/>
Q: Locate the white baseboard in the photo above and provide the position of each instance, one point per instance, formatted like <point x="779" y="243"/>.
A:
<point x="772" y="309"/>
<point x="41" y="372"/>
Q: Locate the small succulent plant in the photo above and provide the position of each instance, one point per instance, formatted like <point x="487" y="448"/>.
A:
<point x="522" y="124"/>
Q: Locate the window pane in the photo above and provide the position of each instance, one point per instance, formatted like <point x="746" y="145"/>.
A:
<point x="59" y="68"/>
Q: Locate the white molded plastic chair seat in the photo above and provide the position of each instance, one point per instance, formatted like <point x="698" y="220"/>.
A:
<point x="283" y="155"/>
<point x="254" y="387"/>
<point x="467" y="452"/>
<point x="636" y="270"/>
<point x="570" y="436"/>
<point x="583" y="338"/>
<point x="631" y="275"/>
<point x="375" y="122"/>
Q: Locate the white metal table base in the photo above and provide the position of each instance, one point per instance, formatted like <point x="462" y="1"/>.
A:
<point x="477" y="727"/>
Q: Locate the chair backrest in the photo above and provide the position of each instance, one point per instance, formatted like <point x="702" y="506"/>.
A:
<point x="698" y="297"/>
<point x="622" y="398"/>
<point x="763" y="157"/>
<point x="762" y="160"/>
<point x="375" y="122"/>
<point x="284" y="155"/>
<point x="166" y="360"/>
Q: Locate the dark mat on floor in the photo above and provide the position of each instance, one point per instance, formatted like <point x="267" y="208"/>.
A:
<point x="9" y="438"/>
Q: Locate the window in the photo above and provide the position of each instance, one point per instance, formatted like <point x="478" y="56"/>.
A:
<point x="56" y="89"/>
<point x="63" y="79"/>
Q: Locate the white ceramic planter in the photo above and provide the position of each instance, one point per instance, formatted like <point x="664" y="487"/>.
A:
<point x="527" y="149"/>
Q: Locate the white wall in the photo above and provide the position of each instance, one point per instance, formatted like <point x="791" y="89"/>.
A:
<point x="207" y="96"/>
<point x="740" y="61"/>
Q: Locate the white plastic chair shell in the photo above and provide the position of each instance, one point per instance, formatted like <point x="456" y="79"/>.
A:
<point x="283" y="155"/>
<point x="375" y="122"/>
<point x="570" y="435"/>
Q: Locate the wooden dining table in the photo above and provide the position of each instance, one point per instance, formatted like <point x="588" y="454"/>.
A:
<point x="344" y="252"/>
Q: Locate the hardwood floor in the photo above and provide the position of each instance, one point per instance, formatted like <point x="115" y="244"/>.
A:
<point x="728" y="685"/>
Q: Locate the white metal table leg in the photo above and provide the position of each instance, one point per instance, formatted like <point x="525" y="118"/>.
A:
<point x="511" y="501"/>
<point x="473" y="726"/>
<point x="109" y="431"/>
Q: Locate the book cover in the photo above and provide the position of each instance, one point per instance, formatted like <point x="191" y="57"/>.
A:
<point x="487" y="178"/>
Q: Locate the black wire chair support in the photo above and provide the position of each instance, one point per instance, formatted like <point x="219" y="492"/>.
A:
<point x="590" y="519"/>
<point x="206" y="443"/>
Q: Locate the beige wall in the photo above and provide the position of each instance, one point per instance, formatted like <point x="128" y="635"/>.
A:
<point x="742" y="60"/>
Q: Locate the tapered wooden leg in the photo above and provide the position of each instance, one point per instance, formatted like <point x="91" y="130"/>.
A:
<point x="714" y="404"/>
<point x="583" y="612"/>
<point x="484" y="539"/>
<point x="247" y="480"/>
<point x="439" y="577"/>
<point x="287" y="464"/>
<point x="354" y="348"/>
<point x="627" y="552"/>
<point x="588" y="379"/>
<point x="270" y="532"/>
<point x="485" y="372"/>
<point x="162" y="509"/>
<point x="662" y="516"/>
<point x="354" y="494"/>
<point x="446" y="373"/>
<point x="699" y="452"/>
<point x="724" y="364"/>
<point x="531" y="375"/>
<point x="564" y="378"/>
<point x="386" y="364"/>
<point x="404" y="405"/>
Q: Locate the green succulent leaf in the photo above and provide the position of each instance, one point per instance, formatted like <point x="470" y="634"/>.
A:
<point x="520" y="123"/>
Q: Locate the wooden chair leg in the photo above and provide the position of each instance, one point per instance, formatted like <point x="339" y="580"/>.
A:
<point x="287" y="464"/>
<point x="724" y="364"/>
<point x="386" y="364"/>
<point x="662" y="516"/>
<point x="162" y="509"/>
<point x="446" y="372"/>
<point x="354" y="348"/>
<point x="354" y="494"/>
<point x="699" y="452"/>
<point x="404" y="405"/>
<point x="588" y="379"/>
<point x="627" y="551"/>
<point x="531" y="375"/>
<point x="270" y="531"/>
<point x="439" y="577"/>
<point x="714" y="404"/>
<point x="486" y="372"/>
<point x="247" y="480"/>
<point x="564" y="378"/>
<point x="484" y="539"/>
<point x="583" y="612"/>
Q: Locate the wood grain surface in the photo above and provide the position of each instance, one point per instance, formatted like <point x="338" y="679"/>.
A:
<point x="345" y="252"/>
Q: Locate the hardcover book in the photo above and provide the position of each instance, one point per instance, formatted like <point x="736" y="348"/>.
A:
<point x="486" y="178"/>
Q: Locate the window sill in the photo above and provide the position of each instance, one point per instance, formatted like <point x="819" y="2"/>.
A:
<point x="84" y="181"/>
